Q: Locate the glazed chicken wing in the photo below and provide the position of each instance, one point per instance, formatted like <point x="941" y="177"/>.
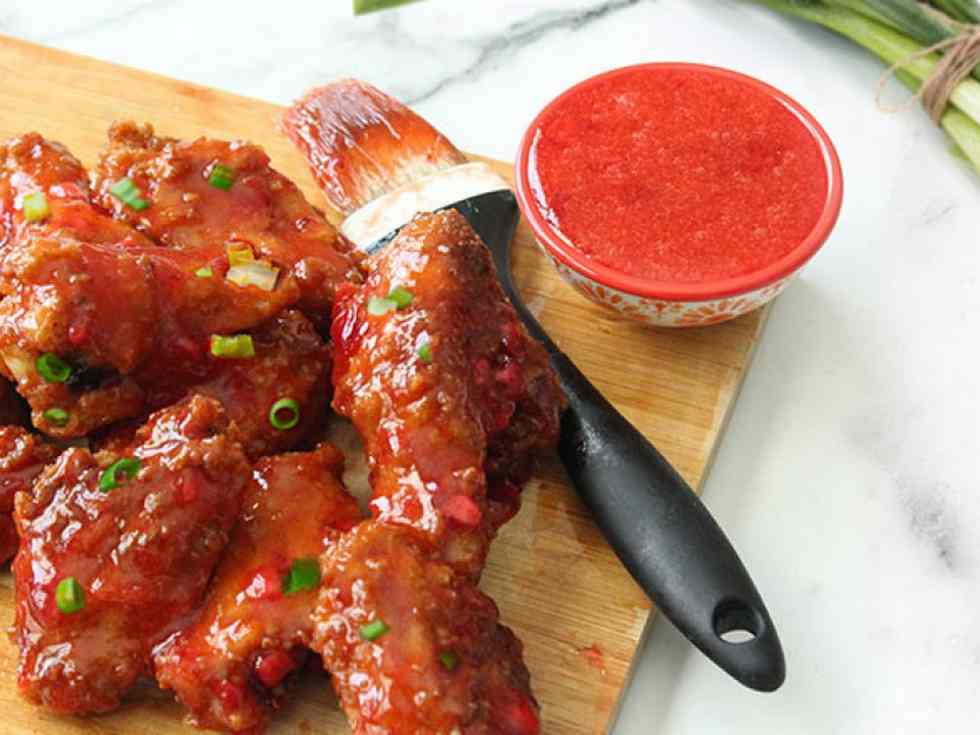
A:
<point x="444" y="385"/>
<point x="412" y="645"/>
<point x="31" y="165"/>
<point x="254" y="207"/>
<point x="227" y="667"/>
<point x="116" y="552"/>
<point x="96" y="308"/>
<point x="22" y="457"/>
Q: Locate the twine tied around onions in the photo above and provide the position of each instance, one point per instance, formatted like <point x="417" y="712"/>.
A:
<point x="962" y="54"/>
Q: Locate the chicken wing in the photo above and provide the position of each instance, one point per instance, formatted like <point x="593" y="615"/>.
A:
<point x="413" y="646"/>
<point x="22" y="457"/>
<point x="253" y="207"/>
<point x="116" y="552"/>
<point x="227" y="667"/>
<point x="31" y="164"/>
<point x="98" y="308"/>
<point x="444" y="385"/>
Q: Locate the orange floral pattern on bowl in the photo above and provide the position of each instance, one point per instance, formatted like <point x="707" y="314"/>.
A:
<point x="659" y="313"/>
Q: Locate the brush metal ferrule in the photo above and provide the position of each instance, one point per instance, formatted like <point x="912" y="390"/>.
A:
<point x="368" y="226"/>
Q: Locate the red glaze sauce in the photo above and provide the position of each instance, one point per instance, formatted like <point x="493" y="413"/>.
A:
<point x="678" y="175"/>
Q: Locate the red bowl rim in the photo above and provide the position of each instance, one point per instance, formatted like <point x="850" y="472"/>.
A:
<point x="562" y="249"/>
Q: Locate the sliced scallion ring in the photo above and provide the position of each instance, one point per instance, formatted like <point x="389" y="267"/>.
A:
<point x="56" y="416"/>
<point x="52" y="368"/>
<point x="232" y="347"/>
<point x="69" y="596"/>
<point x="112" y="477"/>
<point x="221" y="177"/>
<point x="374" y="630"/>
<point x="36" y="207"/>
<point x="303" y="575"/>
<point x="284" y="414"/>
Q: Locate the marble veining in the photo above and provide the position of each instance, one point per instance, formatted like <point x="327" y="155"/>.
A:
<point x="848" y="476"/>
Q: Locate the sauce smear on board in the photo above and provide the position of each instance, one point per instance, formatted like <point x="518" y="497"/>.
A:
<point x="678" y="175"/>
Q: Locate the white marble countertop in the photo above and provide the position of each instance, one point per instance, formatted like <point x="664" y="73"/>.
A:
<point x="848" y="477"/>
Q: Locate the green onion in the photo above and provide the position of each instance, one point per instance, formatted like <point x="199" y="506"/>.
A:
<point x="69" y="595"/>
<point x="402" y="297"/>
<point x="56" y="416"/>
<point x="257" y="273"/>
<point x="232" y="347"/>
<point x="449" y="660"/>
<point x="425" y="353"/>
<point x="374" y="630"/>
<point x="128" y="193"/>
<point x="962" y="124"/>
<point x="128" y="467"/>
<point x="204" y="272"/>
<point x="221" y="177"/>
<point x="369" y="6"/>
<point x="36" y="207"/>
<point x="239" y="254"/>
<point x="52" y="368"/>
<point x="284" y="414"/>
<point x="964" y="11"/>
<point x="378" y="306"/>
<point x="304" y="574"/>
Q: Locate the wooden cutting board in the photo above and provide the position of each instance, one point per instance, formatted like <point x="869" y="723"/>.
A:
<point x="558" y="584"/>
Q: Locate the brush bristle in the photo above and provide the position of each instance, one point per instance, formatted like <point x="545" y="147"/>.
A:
<point x="361" y="143"/>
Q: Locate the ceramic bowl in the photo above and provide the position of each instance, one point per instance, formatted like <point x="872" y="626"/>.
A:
<point x="666" y="304"/>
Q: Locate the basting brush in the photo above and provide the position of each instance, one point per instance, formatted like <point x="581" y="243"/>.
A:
<point x="379" y="163"/>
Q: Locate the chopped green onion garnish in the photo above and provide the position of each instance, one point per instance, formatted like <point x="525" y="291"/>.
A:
<point x="204" y="272"/>
<point x="239" y="254"/>
<point x="232" y="347"/>
<point x="52" y="368"/>
<point x="221" y="177"/>
<point x="257" y="273"/>
<point x="374" y="630"/>
<point x="449" y="660"/>
<point x="378" y="306"/>
<point x="284" y="414"/>
<point x="304" y="574"/>
<point x="128" y="193"/>
<point x="402" y="297"/>
<point x="425" y="353"/>
<point x="56" y="416"/>
<point x="127" y="467"/>
<point x="69" y="595"/>
<point x="36" y="207"/>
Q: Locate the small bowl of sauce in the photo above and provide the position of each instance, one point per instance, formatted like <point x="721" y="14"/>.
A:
<point x="678" y="194"/>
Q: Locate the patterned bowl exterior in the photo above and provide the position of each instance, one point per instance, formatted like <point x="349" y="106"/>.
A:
<point x="660" y="313"/>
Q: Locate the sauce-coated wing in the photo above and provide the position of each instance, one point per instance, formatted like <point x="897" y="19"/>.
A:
<point x="444" y="387"/>
<point x="110" y="311"/>
<point x="261" y="208"/>
<point x="227" y="667"/>
<point x="412" y="645"/>
<point x="31" y="164"/>
<point x="22" y="457"/>
<point x="106" y="570"/>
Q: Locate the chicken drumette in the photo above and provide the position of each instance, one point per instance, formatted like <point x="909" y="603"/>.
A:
<point x="228" y="665"/>
<point x="449" y="393"/>
<point x="116" y="552"/>
<point x="205" y="195"/>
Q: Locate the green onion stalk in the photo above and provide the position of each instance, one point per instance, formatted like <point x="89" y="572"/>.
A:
<point x="964" y="11"/>
<point x="877" y="28"/>
<point x="369" y="6"/>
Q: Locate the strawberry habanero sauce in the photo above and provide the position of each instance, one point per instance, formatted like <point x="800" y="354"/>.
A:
<point x="679" y="174"/>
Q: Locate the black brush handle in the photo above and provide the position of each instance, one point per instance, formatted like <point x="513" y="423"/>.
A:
<point x="651" y="517"/>
<point x="664" y="535"/>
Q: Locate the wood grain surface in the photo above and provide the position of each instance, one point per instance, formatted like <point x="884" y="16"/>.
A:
<point x="556" y="581"/>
